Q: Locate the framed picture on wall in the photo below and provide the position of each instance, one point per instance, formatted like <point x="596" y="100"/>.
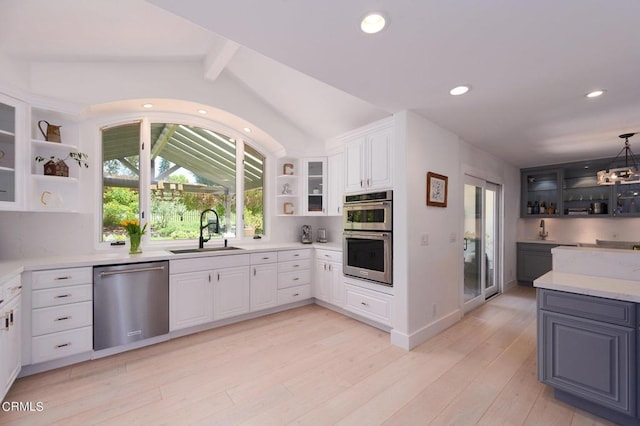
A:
<point x="437" y="187"/>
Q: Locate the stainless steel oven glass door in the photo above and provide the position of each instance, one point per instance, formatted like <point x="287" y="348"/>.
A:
<point x="367" y="255"/>
<point x="374" y="216"/>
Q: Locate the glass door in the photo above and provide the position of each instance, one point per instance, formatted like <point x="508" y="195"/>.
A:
<point x="482" y="242"/>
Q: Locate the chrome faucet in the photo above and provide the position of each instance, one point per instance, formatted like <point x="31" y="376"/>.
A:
<point x="206" y="226"/>
<point x="543" y="233"/>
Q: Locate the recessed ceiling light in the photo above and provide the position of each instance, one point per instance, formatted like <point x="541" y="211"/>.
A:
<point x="202" y="111"/>
<point x="373" y="23"/>
<point x="246" y="129"/>
<point x="147" y="105"/>
<point x="595" y="93"/>
<point x="459" y="90"/>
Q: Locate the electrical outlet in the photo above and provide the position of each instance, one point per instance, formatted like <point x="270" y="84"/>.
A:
<point x="424" y="239"/>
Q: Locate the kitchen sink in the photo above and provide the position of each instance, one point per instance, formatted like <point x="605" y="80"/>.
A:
<point x="203" y="250"/>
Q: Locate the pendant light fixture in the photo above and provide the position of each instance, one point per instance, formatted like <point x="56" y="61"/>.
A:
<point x="630" y="173"/>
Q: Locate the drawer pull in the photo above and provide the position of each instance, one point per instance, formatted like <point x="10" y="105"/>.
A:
<point x="63" y="318"/>
<point x="265" y="258"/>
<point x="296" y="294"/>
<point x="254" y="272"/>
<point x="11" y="317"/>
<point x="6" y="323"/>
<point x="63" y="278"/>
<point x="62" y="296"/>
<point x="296" y="255"/>
<point x="326" y="255"/>
<point x="16" y="288"/>
<point x="296" y="279"/>
<point x="364" y="303"/>
<point x="296" y="266"/>
<point x="64" y="345"/>
<point x="1" y="301"/>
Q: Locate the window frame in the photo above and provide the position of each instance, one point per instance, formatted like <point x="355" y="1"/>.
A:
<point x="145" y="121"/>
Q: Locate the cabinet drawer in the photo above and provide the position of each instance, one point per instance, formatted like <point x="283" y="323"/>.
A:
<point x="260" y="258"/>
<point x="294" y="278"/>
<point x="596" y="308"/>
<point x="376" y="306"/>
<point x="61" y="295"/>
<point x="296" y="265"/>
<point x="59" y="345"/>
<point x="60" y="318"/>
<point x="208" y="263"/>
<point x="294" y="294"/>
<point x="61" y="277"/>
<point x="289" y="255"/>
<point x="329" y="255"/>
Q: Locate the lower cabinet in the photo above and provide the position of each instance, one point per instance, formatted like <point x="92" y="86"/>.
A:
<point x="61" y="314"/>
<point x="264" y="281"/>
<point x="587" y="348"/>
<point x="10" y="325"/>
<point x="294" y="276"/>
<point x="191" y="296"/>
<point x="368" y="303"/>
<point x="533" y="260"/>
<point x="231" y="292"/>
<point x="328" y="278"/>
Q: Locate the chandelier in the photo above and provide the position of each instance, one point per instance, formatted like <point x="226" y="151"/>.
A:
<point x="624" y="175"/>
<point x="161" y="192"/>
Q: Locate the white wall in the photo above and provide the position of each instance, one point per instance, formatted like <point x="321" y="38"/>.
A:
<point x="428" y="278"/>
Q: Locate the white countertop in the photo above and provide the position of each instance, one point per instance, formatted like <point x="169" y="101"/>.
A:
<point x="120" y="255"/>
<point x="555" y="242"/>
<point x="610" y="288"/>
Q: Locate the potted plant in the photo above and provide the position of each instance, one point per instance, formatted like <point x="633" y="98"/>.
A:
<point x="56" y="166"/>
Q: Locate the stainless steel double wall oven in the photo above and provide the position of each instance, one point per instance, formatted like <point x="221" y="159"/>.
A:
<point x="367" y="238"/>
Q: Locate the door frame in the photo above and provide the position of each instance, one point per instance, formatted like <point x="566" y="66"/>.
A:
<point x="477" y="179"/>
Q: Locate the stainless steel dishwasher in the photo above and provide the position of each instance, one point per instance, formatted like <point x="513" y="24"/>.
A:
<point x="130" y="303"/>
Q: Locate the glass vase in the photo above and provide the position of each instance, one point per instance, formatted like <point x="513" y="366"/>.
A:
<point x="134" y="240"/>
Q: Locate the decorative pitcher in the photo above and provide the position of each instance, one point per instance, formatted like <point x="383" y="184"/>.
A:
<point x="53" y="132"/>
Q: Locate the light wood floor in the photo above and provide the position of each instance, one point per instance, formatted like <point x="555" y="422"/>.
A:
<point x="312" y="366"/>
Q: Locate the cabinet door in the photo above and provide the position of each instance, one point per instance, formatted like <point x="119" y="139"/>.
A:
<point x="589" y="359"/>
<point x="9" y="345"/>
<point x="337" y="284"/>
<point x="335" y="179"/>
<point x="379" y="159"/>
<point x="322" y="280"/>
<point x="231" y="292"/>
<point x="12" y="118"/>
<point x="354" y="152"/>
<point x="264" y="286"/>
<point x="191" y="301"/>
<point x="315" y="186"/>
<point x="533" y="261"/>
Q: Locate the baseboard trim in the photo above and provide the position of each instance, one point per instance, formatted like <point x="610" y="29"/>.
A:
<point x="410" y="341"/>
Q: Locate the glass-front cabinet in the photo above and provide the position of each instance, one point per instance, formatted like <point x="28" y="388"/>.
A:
<point x="627" y="200"/>
<point x="11" y="119"/>
<point x="315" y="186"/>
<point x="541" y="192"/>
<point x="581" y="195"/>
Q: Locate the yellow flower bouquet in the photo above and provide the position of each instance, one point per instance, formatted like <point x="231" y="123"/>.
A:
<point x="135" y="232"/>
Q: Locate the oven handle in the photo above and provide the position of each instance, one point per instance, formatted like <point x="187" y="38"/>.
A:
<point x="369" y="235"/>
<point x="363" y="206"/>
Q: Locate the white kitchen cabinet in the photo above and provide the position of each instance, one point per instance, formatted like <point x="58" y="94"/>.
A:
<point x="369" y="304"/>
<point x="61" y="314"/>
<point x="294" y="275"/>
<point x="191" y="296"/>
<point x="315" y="186"/>
<point x="264" y="280"/>
<point x="10" y="324"/>
<point x="335" y="183"/>
<point x="12" y="139"/>
<point x="329" y="281"/>
<point x="368" y="160"/>
<point x="231" y="292"/>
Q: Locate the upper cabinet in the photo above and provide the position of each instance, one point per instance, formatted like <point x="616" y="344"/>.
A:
<point x="571" y="190"/>
<point x="315" y="186"/>
<point x="368" y="158"/>
<point x="335" y="181"/>
<point x="12" y="113"/>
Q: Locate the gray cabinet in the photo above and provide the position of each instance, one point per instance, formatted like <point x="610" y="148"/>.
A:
<point x="587" y="351"/>
<point x="533" y="260"/>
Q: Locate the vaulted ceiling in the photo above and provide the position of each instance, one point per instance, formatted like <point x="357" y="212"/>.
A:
<point x="529" y="63"/>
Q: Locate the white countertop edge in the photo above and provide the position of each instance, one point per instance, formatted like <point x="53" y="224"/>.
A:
<point x="609" y="288"/>
<point x="121" y="256"/>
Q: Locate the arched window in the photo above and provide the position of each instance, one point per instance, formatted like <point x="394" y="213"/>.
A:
<point x="185" y="171"/>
